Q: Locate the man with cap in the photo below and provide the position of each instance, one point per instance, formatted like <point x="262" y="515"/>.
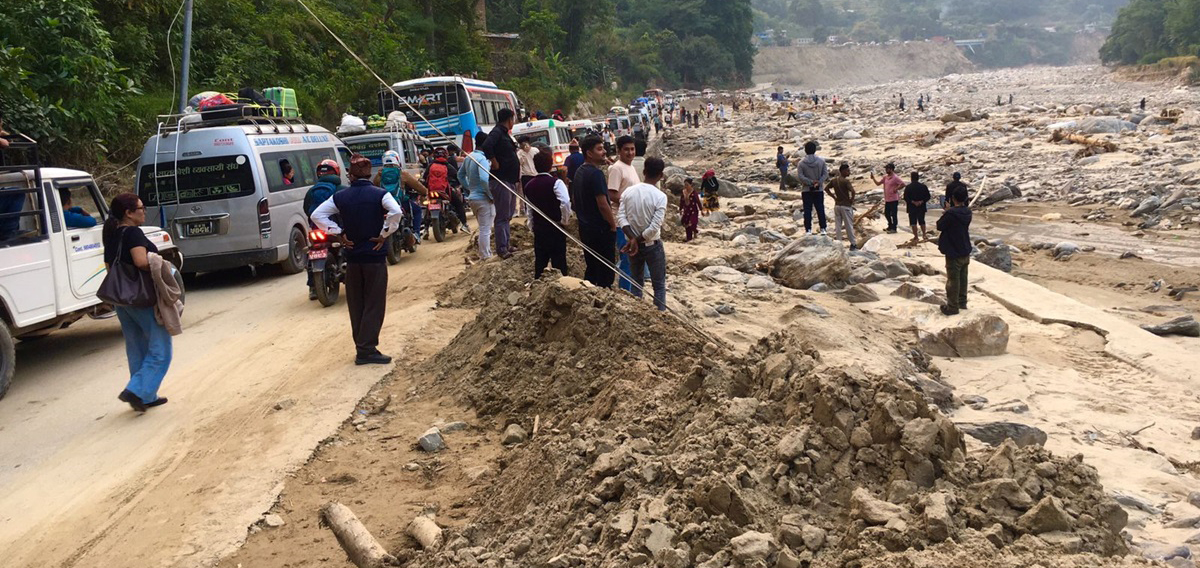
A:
<point x="892" y="184"/>
<point x="369" y="215"/>
<point x="574" y="160"/>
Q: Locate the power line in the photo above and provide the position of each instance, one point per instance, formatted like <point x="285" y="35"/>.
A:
<point x="607" y="262"/>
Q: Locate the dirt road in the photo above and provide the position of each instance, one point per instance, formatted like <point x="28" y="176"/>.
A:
<point x="260" y="376"/>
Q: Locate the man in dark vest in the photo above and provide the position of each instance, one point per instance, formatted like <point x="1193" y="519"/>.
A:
<point x="362" y="208"/>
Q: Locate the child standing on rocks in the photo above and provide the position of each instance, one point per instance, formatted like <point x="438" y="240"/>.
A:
<point x="955" y="242"/>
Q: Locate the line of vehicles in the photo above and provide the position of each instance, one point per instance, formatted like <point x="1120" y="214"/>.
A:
<point x="225" y="190"/>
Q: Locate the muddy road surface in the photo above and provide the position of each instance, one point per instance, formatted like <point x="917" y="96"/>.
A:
<point x="260" y="376"/>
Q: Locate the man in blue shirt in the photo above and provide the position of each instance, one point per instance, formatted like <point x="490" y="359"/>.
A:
<point x="476" y="181"/>
<point x="75" y="217"/>
<point x="574" y="160"/>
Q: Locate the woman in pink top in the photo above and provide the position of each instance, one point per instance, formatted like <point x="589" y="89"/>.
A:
<point x="892" y="186"/>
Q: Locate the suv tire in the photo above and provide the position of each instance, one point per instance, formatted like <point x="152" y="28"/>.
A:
<point x="8" y="358"/>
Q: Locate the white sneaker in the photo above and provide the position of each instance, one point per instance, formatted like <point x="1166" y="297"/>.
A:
<point x="823" y="233"/>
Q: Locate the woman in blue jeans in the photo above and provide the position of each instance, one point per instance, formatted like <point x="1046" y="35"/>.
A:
<point x="147" y="342"/>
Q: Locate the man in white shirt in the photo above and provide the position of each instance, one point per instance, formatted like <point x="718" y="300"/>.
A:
<point x="525" y="154"/>
<point x="363" y="231"/>
<point x="640" y="217"/>
<point x="622" y="176"/>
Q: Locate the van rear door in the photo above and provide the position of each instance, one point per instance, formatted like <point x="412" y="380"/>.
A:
<point x="209" y="204"/>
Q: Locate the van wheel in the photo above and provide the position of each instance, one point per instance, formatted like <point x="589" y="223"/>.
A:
<point x="297" y="258"/>
<point x="8" y="358"/>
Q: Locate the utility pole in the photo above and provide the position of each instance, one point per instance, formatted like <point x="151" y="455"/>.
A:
<point x="187" y="55"/>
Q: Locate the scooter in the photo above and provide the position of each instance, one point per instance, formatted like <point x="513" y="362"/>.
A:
<point x="326" y="266"/>
<point x="438" y="215"/>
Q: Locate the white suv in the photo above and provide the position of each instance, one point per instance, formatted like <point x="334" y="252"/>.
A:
<point x="49" y="270"/>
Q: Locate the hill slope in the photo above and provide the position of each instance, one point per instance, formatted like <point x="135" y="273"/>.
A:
<point x="823" y="67"/>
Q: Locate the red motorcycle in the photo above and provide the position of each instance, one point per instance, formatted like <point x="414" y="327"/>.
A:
<point x="326" y="266"/>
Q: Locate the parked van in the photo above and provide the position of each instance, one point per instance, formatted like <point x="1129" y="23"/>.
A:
<point x="581" y="129"/>
<point x="231" y="192"/>
<point x="403" y="140"/>
<point x="552" y="133"/>
<point x="620" y="125"/>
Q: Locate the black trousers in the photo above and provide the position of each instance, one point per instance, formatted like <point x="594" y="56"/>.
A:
<point x="956" y="281"/>
<point x="602" y="240"/>
<point x="366" y="296"/>
<point x="549" y="248"/>
<point x="891" y="212"/>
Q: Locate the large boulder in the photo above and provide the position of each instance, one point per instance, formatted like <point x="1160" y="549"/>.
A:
<point x="999" y="258"/>
<point x="1104" y="125"/>
<point x="978" y="336"/>
<point x="811" y="260"/>
<point x="714" y="218"/>
<point x="920" y="294"/>
<point x="1148" y="205"/>
<point x="727" y="188"/>
<point x="1004" y="192"/>
<point x="1182" y="325"/>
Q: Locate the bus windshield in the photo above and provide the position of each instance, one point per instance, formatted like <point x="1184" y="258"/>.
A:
<point x="432" y="101"/>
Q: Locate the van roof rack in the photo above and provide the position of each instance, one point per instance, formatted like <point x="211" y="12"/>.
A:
<point x="250" y="115"/>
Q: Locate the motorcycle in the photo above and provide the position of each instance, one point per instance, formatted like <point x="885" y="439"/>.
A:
<point x="403" y="240"/>
<point x="439" y="216"/>
<point x="326" y="266"/>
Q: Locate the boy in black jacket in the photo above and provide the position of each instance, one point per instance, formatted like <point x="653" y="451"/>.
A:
<point x="955" y="242"/>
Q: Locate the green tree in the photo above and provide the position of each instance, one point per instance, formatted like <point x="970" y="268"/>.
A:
<point x="1139" y="34"/>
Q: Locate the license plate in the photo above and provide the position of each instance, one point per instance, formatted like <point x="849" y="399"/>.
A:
<point x="314" y="254"/>
<point x="435" y="206"/>
<point x="200" y="229"/>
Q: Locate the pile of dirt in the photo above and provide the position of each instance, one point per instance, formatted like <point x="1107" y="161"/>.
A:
<point x="659" y="445"/>
<point x="490" y="282"/>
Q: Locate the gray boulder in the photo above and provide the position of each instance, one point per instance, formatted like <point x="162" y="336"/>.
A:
<point x="1104" y="125"/>
<point x="811" y="260"/>
<point x="978" y="336"/>
<point x="1148" y="205"/>
<point x="999" y="258"/>
<point x="714" y="218"/>
<point x="1182" y="325"/>
<point x="995" y="433"/>
<point x="866" y="275"/>
<point x="727" y="188"/>
<point x="857" y="294"/>
<point x="920" y="294"/>
<point x="1065" y="250"/>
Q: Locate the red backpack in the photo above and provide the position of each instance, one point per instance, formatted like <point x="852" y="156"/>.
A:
<point x="439" y="177"/>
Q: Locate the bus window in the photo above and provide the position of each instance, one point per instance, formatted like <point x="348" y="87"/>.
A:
<point x="344" y="154"/>
<point x="410" y="153"/>
<point x="297" y="163"/>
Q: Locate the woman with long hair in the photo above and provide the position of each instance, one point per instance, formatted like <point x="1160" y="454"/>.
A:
<point x="147" y="342"/>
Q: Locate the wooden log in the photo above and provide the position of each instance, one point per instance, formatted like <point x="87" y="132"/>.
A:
<point x="425" y="532"/>
<point x="360" y="546"/>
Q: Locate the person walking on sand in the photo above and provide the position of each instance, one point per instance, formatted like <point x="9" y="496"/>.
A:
<point x="842" y="192"/>
<point x="549" y="194"/>
<point x="369" y="215"/>
<point x="597" y="221"/>
<point x="916" y="201"/>
<point x="640" y="216"/>
<point x="954" y="241"/>
<point x="791" y="110"/>
<point x="901" y="103"/>
<point x="781" y="162"/>
<point x="892" y="184"/>
<point x="812" y="173"/>
<point x="147" y="342"/>
<point x="689" y="209"/>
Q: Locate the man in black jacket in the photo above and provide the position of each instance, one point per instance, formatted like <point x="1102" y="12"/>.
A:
<point x="916" y="201"/>
<point x="955" y="242"/>
<point x="506" y="171"/>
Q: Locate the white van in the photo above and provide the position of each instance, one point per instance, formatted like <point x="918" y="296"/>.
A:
<point x="580" y="129"/>
<point x="552" y="133"/>
<point x="403" y="140"/>
<point x="235" y="204"/>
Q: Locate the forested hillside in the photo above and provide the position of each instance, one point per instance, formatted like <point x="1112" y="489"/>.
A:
<point x="87" y="77"/>
<point x="1147" y="31"/>
<point x="1018" y="32"/>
